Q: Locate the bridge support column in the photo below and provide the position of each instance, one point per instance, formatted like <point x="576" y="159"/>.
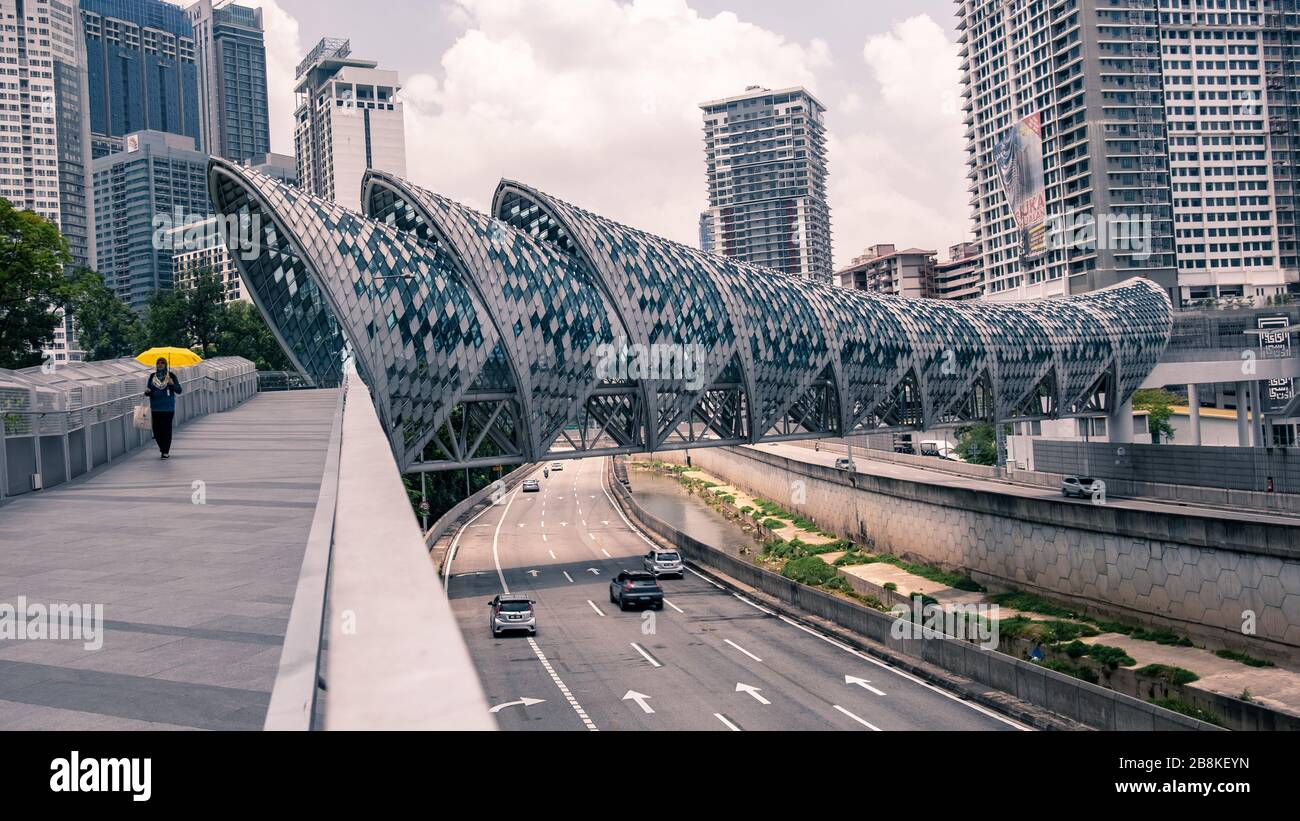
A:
<point x="1194" y="412"/>
<point x="1119" y="424"/>
<point x="1243" y="420"/>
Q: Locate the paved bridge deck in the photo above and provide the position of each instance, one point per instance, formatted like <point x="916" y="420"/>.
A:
<point x="195" y="597"/>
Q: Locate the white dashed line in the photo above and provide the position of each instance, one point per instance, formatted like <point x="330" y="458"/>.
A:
<point x="673" y="606"/>
<point x="567" y="576"/>
<point x="646" y="655"/>
<point x="564" y="690"/>
<point x="726" y="721"/>
<point x="743" y="650"/>
<point x="594" y="607"/>
<point x="863" y="722"/>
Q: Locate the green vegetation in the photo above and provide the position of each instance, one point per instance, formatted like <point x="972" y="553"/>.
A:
<point x="1156" y="402"/>
<point x="1017" y="600"/>
<point x="857" y="556"/>
<point x="1044" y="632"/>
<point x="1168" y="673"/>
<point x="1180" y="706"/>
<point x="1109" y="657"/>
<point x="978" y="444"/>
<point x="774" y="524"/>
<point x="1248" y="660"/>
<point x="33" y="256"/>
<point x="1080" y="672"/>
<point x="809" y="570"/>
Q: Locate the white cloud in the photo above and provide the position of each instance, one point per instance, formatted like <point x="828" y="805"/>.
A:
<point x="592" y="100"/>
<point x="900" y="178"/>
<point x="596" y="101"/>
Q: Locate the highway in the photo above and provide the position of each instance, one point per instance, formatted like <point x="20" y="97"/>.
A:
<point x="710" y="660"/>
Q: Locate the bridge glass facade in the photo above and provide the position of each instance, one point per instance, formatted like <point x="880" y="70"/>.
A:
<point x="489" y="338"/>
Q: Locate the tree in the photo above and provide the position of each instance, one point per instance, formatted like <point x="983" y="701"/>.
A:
<point x="107" y="328"/>
<point x="1156" y="402"/>
<point x="32" y="284"/>
<point x="243" y="332"/>
<point x="186" y="317"/>
<point x="978" y="444"/>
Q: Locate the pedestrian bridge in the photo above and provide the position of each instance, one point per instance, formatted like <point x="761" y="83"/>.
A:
<point x="544" y="331"/>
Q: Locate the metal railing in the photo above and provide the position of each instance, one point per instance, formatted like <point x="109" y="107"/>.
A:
<point x="60" y="422"/>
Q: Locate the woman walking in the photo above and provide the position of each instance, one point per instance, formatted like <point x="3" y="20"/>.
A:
<point x="161" y="390"/>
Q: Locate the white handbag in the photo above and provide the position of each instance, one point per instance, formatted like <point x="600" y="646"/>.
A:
<point x="142" y="417"/>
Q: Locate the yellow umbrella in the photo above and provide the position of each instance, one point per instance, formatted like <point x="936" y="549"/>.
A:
<point x="176" y="357"/>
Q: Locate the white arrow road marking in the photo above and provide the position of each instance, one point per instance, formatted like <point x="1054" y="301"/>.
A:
<point x="653" y="662"/>
<point x="640" y="699"/>
<point x="567" y="576"/>
<point x="533" y="573"/>
<point x="863" y="683"/>
<point x="573" y="702"/>
<point x="743" y="650"/>
<point x="863" y="722"/>
<point x="594" y="607"/>
<point x="523" y="702"/>
<point x="521" y="524"/>
<point x="726" y="721"/>
<point x="673" y="606"/>
<point x="593" y="571"/>
<point x="552" y="552"/>
<point x="564" y="524"/>
<point x="753" y="691"/>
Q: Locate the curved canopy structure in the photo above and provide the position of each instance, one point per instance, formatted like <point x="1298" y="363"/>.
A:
<point x="544" y="331"/>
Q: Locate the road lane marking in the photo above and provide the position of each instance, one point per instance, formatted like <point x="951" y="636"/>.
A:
<point x="567" y="576"/>
<point x="455" y="543"/>
<point x="593" y="571"/>
<point x="753" y="691"/>
<point x="754" y="605"/>
<point x="743" y="650"/>
<point x="564" y="690"/>
<point x="543" y="535"/>
<point x="861" y="682"/>
<point x="496" y="535"/>
<point x="976" y="707"/>
<point x="675" y="607"/>
<point x="606" y="552"/>
<point x="653" y="661"/>
<point x="640" y="699"/>
<point x="523" y="702"/>
<point x="552" y="552"/>
<point x="726" y="721"/>
<point x="594" y="607"/>
<point x="861" y="721"/>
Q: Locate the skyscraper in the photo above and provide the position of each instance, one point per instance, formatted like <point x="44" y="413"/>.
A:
<point x="348" y="120"/>
<point x="158" y="183"/>
<point x="1065" y="129"/>
<point x="766" y="157"/>
<point x="231" y="56"/>
<point x="45" y="128"/>
<point x="140" y="71"/>
<point x="1116" y="138"/>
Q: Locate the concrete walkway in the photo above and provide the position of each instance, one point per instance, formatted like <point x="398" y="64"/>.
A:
<point x="194" y="560"/>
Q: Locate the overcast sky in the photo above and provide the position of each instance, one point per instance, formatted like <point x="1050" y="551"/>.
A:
<point x="596" y="101"/>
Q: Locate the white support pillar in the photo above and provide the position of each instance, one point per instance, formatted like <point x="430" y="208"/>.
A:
<point x="1194" y="412"/>
<point x="1243" y="423"/>
<point x="1119" y="424"/>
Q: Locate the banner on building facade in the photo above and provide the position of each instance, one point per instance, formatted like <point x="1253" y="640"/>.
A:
<point x="1019" y="158"/>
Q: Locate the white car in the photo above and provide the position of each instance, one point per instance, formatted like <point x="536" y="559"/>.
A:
<point x="557" y="466"/>
<point x="1081" y="486"/>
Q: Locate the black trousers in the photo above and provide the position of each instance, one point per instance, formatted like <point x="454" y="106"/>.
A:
<point x="162" y="429"/>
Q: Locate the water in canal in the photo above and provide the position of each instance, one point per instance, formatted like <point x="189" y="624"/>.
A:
<point x="668" y="500"/>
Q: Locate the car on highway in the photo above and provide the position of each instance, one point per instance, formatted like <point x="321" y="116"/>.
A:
<point x="845" y="464"/>
<point x="634" y="587"/>
<point x="557" y="466"/>
<point x="663" y="562"/>
<point x="512" y="612"/>
<point x="1081" y="486"/>
<point x="532" y="486"/>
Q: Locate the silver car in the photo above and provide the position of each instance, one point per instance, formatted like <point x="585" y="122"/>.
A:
<point x="662" y="562"/>
<point x="512" y="613"/>
<point x="1080" y="486"/>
